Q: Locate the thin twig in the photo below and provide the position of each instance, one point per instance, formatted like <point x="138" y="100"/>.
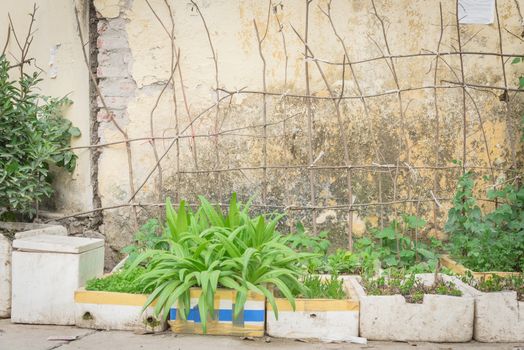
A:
<point x="463" y="82"/>
<point x="342" y="207"/>
<point x="312" y="196"/>
<point x="436" y="176"/>
<point x="217" y="97"/>
<point x="264" y="112"/>
<point x="8" y="37"/>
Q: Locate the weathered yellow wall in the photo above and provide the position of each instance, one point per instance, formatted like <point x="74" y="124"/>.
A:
<point x="412" y="26"/>
<point x="56" y="50"/>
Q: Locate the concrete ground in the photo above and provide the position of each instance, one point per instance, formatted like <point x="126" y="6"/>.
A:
<point x="35" y="337"/>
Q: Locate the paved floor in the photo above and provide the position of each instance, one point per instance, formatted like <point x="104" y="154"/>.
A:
<point x="32" y="337"/>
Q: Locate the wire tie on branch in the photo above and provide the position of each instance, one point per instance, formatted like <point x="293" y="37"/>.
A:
<point x="435" y="199"/>
<point x="284" y="94"/>
<point x="319" y="157"/>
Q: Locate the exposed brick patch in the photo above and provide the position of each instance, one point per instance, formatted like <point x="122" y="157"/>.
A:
<point x="114" y="66"/>
<point x="97" y="217"/>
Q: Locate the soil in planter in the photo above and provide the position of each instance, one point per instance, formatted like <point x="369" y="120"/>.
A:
<point x="498" y="284"/>
<point x="410" y="287"/>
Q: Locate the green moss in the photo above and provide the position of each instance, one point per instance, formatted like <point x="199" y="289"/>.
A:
<point x="121" y="281"/>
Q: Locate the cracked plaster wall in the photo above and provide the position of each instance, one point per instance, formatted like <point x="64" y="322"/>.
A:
<point x="135" y="58"/>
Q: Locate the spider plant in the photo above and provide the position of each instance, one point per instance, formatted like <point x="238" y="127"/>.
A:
<point x="208" y="250"/>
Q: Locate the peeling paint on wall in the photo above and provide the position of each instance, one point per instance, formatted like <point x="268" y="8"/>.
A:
<point x="53" y="68"/>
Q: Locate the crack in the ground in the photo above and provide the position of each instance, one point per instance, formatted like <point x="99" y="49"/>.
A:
<point x="70" y="341"/>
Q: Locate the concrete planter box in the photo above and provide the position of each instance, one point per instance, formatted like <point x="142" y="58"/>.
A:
<point x="250" y="323"/>
<point x="440" y="318"/>
<point x="115" y="311"/>
<point x="499" y="316"/>
<point x="321" y="319"/>
<point x="22" y="230"/>
<point x="460" y="269"/>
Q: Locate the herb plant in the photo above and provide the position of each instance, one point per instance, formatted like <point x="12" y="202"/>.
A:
<point x="120" y="281"/>
<point x="34" y="136"/>
<point x="409" y="286"/>
<point x="497" y="284"/>
<point x="492" y="241"/>
<point x="317" y="287"/>
<point x="344" y="262"/>
<point x="302" y="240"/>
<point x="339" y="262"/>
<point x="393" y="249"/>
<point x="208" y="250"/>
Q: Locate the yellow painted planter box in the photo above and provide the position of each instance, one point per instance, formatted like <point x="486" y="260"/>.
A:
<point x="115" y="311"/>
<point x="321" y="319"/>
<point x="460" y="269"/>
<point x="250" y="322"/>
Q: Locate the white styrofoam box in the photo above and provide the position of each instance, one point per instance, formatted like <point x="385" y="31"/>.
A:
<point x="46" y="272"/>
<point x="322" y="319"/>
<point x="440" y="318"/>
<point x="499" y="316"/>
<point x="22" y="230"/>
<point x="115" y="311"/>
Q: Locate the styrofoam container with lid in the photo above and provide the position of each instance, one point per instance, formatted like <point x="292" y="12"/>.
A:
<point x="46" y="271"/>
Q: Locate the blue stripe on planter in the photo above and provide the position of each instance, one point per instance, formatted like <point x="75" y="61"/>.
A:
<point x="249" y="315"/>
<point x="223" y="315"/>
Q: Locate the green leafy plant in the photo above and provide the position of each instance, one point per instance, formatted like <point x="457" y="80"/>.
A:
<point x="303" y="241"/>
<point x="339" y="262"/>
<point x="209" y="249"/>
<point x="412" y="288"/>
<point x="120" y="281"/>
<point x="517" y="60"/>
<point x="317" y="287"/>
<point x="487" y="241"/>
<point x="393" y="249"/>
<point x="148" y="237"/>
<point x="344" y="262"/>
<point x="498" y="283"/>
<point x="34" y="136"/>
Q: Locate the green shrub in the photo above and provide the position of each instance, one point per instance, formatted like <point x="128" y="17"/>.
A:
<point x="389" y="248"/>
<point x="148" y="237"/>
<point x="301" y="240"/>
<point x="487" y="242"/>
<point x="34" y="136"/>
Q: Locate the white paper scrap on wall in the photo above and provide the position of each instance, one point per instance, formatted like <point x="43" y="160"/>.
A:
<point x="476" y="11"/>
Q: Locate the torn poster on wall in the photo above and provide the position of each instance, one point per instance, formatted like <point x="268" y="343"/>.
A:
<point x="476" y="11"/>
